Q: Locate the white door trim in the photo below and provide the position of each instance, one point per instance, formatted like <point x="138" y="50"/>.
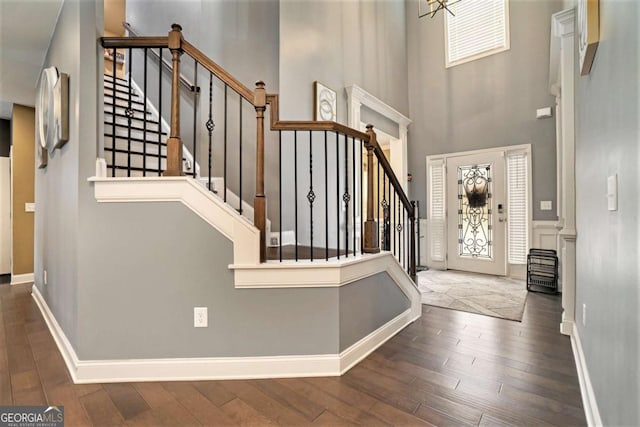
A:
<point x="526" y="148"/>
<point x="356" y="98"/>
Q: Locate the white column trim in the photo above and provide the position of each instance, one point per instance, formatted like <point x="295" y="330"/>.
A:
<point x="562" y="85"/>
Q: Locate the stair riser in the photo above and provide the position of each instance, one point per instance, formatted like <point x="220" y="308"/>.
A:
<point x="123" y="93"/>
<point x="121" y="111"/>
<point x="122" y="121"/>
<point x="138" y="134"/>
<point x="108" y="100"/>
<point x="136" y="161"/>
<point x="121" y="144"/>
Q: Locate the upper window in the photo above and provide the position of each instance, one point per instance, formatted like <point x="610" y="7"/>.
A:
<point x="479" y="28"/>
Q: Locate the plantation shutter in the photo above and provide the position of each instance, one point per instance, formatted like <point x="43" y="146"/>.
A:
<point x="437" y="220"/>
<point x="479" y="26"/>
<point x="517" y="207"/>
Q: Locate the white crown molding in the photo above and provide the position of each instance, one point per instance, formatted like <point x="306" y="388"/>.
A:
<point x="591" y="411"/>
<point x="358" y="95"/>
<point x="564" y="23"/>
<point x="18" y="279"/>
<point x="217" y="368"/>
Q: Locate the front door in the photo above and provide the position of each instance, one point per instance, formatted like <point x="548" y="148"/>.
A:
<point x="476" y="219"/>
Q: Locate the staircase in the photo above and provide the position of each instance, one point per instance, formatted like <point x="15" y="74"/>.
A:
<point x="135" y="143"/>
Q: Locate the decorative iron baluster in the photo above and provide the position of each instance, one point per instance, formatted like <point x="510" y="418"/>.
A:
<point x="311" y="196"/>
<point x="361" y="166"/>
<point x="338" y="194"/>
<point x="159" y="113"/>
<point x="326" y="200"/>
<point x="196" y="101"/>
<point x="210" y="127"/>
<point x="240" y="156"/>
<point x="113" y="114"/>
<point x="280" y="192"/>
<point x="295" y="188"/>
<point x="353" y="190"/>
<point x="144" y="120"/>
<point x="226" y="125"/>
<point x="346" y="196"/>
<point x="128" y="113"/>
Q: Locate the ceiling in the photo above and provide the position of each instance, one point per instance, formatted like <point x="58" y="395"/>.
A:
<point x="26" y="27"/>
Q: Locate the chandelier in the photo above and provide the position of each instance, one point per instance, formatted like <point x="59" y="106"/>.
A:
<point x="431" y="7"/>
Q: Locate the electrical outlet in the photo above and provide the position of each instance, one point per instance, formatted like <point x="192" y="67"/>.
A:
<point x="44" y="277"/>
<point x="274" y="241"/>
<point x="200" y="317"/>
<point x="584" y="314"/>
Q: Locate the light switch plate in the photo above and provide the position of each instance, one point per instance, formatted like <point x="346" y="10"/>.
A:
<point x="543" y="113"/>
<point x="546" y="205"/>
<point x="29" y="207"/>
<point x="612" y="192"/>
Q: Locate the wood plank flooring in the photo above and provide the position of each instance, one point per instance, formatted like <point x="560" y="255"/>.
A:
<point x="448" y="368"/>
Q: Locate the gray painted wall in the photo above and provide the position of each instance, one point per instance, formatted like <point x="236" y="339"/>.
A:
<point x="141" y="303"/>
<point x="608" y="280"/>
<point x="367" y="305"/>
<point x="5" y="137"/>
<point x="490" y="102"/>
<point x="57" y="188"/>
<point x="338" y="43"/>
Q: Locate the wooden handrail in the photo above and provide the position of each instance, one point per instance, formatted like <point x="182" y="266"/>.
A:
<point x="137" y="42"/>
<point x="218" y="71"/>
<point x="183" y="80"/>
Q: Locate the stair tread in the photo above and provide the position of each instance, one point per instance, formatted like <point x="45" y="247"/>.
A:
<point x="122" y="98"/>
<point x="139" y="110"/>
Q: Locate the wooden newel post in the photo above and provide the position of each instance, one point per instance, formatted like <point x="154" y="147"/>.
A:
<point x="370" y="235"/>
<point x="174" y="143"/>
<point x="260" y="201"/>
<point x="412" y="241"/>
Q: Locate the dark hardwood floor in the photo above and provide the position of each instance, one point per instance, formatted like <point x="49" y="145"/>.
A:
<point x="447" y="368"/>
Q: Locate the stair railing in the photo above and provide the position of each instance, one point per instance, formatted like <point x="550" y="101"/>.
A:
<point x="381" y="190"/>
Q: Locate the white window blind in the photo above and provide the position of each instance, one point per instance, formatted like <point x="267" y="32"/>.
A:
<point x="437" y="220"/>
<point x="479" y="28"/>
<point x="517" y="207"/>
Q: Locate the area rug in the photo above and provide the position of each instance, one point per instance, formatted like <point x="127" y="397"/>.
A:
<point x="495" y="296"/>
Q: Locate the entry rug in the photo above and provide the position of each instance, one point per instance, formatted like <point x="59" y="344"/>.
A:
<point x="495" y="296"/>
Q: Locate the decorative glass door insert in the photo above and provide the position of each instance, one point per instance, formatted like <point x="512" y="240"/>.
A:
<point x="474" y="211"/>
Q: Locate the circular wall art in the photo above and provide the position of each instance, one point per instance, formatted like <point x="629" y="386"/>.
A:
<point x="325" y="101"/>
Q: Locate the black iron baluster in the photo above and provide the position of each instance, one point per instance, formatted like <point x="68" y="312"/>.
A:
<point x="379" y="240"/>
<point x="295" y="188"/>
<point x="159" y="112"/>
<point x="240" y="155"/>
<point x="196" y="101"/>
<point x="226" y="125"/>
<point x="400" y="233"/>
<point x="144" y="120"/>
<point x="311" y="195"/>
<point x="385" y="214"/>
<point x="338" y="194"/>
<point x="129" y="113"/>
<point x="353" y="190"/>
<point x="280" y="192"/>
<point x="346" y="197"/>
<point x="395" y="218"/>
<point x="361" y="198"/>
<point x="113" y="114"/>
<point x="210" y="127"/>
<point x="326" y="200"/>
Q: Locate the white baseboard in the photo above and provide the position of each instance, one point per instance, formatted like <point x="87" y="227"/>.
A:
<point x="17" y="279"/>
<point x="217" y="368"/>
<point x="586" y="388"/>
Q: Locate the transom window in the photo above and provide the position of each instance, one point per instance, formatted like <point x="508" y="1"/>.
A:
<point x="477" y="29"/>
